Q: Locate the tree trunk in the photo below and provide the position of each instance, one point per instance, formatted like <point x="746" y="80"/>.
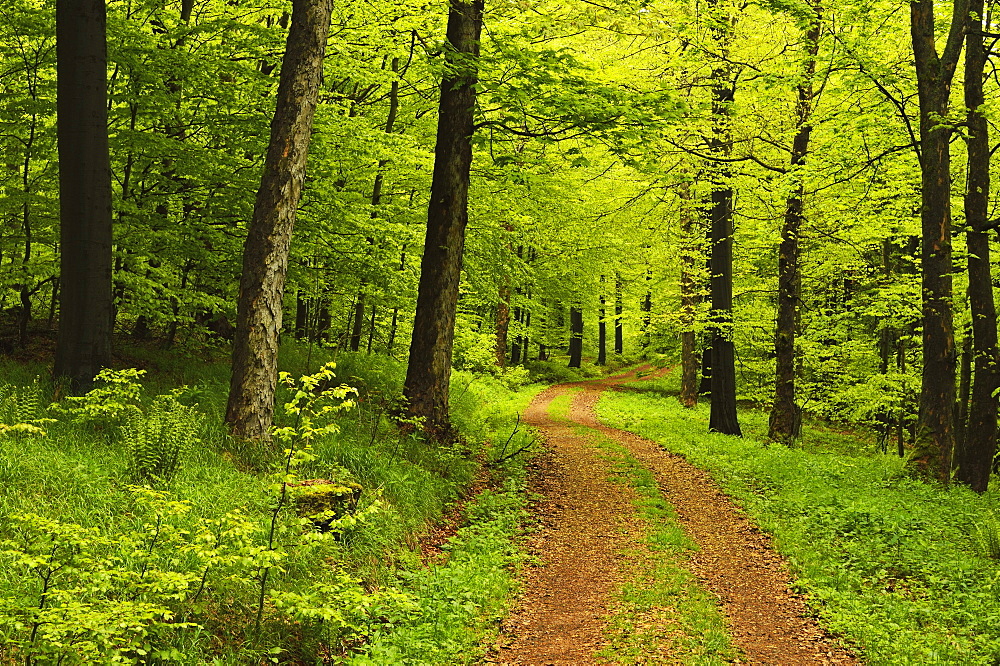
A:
<point x="265" y="254"/>
<point x="936" y="426"/>
<point x="974" y="458"/>
<point x="602" y="330"/>
<point x="358" y="321"/>
<point x="428" y="373"/>
<point x="722" y="417"/>
<point x="575" y="337"/>
<point x="619" y="326"/>
<point x="785" y="418"/>
<point x="689" y="303"/>
<point x="84" y="341"/>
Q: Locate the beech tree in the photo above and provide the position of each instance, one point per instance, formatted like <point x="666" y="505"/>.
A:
<point x="250" y="410"/>
<point x="84" y="342"/>
<point x="785" y="416"/>
<point x="934" y="77"/>
<point x="428" y="371"/>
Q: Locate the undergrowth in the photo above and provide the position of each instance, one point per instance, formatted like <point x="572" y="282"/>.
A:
<point x="902" y="569"/>
<point x="133" y="530"/>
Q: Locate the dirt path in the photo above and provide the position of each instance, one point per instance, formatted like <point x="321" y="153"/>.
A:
<point x="589" y="521"/>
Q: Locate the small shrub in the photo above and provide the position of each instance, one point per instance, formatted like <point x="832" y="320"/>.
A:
<point x="157" y="439"/>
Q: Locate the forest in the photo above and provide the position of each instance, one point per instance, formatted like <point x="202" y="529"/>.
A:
<point x="301" y="303"/>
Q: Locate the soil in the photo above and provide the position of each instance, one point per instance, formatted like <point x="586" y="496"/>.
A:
<point x="588" y="527"/>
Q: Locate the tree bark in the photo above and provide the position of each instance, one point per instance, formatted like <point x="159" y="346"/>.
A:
<point x="83" y="346"/>
<point x="250" y="411"/>
<point x="575" y="337"/>
<point x="619" y="324"/>
<point x="358" y="321"/>
<point x="785" y="419"/>
<point x="974" y="458"/>
<point x="428" y="373"/>
<point x="936" y="424"/>
<point x="722" y="416"/>
<point x="602" y="329"/>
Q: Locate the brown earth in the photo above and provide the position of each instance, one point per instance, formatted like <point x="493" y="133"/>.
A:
<point x="588" y="524"/>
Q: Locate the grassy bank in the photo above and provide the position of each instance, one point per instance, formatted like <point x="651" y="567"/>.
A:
<point x="134" y="530"/>
<point x="900" y="568"/>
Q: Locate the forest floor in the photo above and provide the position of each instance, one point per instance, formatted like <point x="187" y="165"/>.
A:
<point x="592" y="540"/>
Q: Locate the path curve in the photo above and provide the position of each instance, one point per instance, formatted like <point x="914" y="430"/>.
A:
<point x="588" y="521"/>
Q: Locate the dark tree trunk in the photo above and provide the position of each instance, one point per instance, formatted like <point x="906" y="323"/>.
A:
<point x="84" y="341"/>
<point x="785" y="419"/>
<point x="964" y="389"/>
<point x="936" y="427"/>
<point x="575" y="337"/>
<point x="515" y="347"/>
<point x="428" y="373"/>
<point x="689" y="302"/>
<point x="357" y="322"/>
<point x="722" y="417"/>
<point x="265" y="254"/>
<point x="619" y="325"/>
<point x="602" y="329"/>
<point x="974" y="458"/>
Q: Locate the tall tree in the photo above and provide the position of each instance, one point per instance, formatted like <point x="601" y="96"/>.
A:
<point x="934" y="78"/>
<point x="428" y="371"/>
<point x="974" y="456"/>
<point x="85" y="315"/>
<point x="785" y="418"/>
<point x="250" y="411"/>
<point x="575" y="336"/>
<point x="722" y="417"/>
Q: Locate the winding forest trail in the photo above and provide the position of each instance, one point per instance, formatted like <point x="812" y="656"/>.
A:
<point x="590" y="534"/>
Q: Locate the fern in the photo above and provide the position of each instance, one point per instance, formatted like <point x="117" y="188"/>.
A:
<point x="158" y="438"/>
<point x="22" y="410"/>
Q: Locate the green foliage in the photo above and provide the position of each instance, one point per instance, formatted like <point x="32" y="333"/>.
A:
<point x="117" y="393"/>
<point x="157" y="438"/>
<point x="23" y="411"/>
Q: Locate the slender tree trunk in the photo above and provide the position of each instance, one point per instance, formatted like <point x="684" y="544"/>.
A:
<point x="722" y="417"/>
<point x="689" y="302"/>
<point x="84" y="341"/>
<point x="619" y="324"/>
<point x="250" y="411"/>
<point x="575" y="337"/>
<point x="358" y="321"/>
<point x="428" y="373"/>
<point x="785" y="418"/>
<point x="936" y="427"/>
<point x="974" y="458"/>
<point x="602" y="329"/>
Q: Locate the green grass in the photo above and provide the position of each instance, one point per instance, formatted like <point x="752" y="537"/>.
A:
<point x="333" y="598"/>
<point x="661" y="612"/>
<point x="895" y="565"/>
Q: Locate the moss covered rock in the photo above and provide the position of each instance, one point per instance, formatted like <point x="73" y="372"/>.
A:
<point x="323" y="501"/>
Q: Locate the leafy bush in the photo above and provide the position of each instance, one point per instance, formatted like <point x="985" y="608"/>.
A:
<point x="157" y="438"/>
